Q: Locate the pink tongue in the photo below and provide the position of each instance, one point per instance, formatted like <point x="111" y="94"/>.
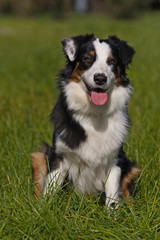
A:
<point x="99" y="98"/>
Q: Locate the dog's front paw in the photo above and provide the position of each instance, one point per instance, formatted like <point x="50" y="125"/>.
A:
<point x="112" y="203"/>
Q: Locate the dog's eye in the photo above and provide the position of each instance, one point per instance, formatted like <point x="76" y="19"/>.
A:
<point x="88" y="59"/>
<point x="111" y="61"/>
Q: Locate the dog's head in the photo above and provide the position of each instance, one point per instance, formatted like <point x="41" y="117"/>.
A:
<point x="97" y="66"/>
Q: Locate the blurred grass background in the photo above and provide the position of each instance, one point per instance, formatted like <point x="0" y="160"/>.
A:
<point x="30" y="56"/>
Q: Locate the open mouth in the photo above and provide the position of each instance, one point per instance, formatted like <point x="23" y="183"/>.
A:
<point x="97" y="95"/>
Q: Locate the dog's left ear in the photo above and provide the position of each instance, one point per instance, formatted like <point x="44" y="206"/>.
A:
<point x="125" y="51"/>
<point x="72" y="45"/>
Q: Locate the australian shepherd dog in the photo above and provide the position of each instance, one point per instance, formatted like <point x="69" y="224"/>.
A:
<point x="90" y="122"/>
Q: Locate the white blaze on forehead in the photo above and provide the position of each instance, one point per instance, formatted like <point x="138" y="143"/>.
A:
<point x="102" y="49"/>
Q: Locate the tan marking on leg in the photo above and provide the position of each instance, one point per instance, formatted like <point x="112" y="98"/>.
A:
<point x="125" y="183"/>
<point x="39" y="167"/>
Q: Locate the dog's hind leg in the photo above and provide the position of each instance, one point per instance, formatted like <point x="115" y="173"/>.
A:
<point x="46" y="180"/>
<point x="129" y="172"/>
<point x="127" y="183"/>
<point x="39" y="172"/>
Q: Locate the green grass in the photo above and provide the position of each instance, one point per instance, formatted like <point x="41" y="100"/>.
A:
<point x="30" y="56"/>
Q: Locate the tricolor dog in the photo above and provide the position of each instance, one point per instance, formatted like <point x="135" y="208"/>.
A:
<point x="90" y="122"/>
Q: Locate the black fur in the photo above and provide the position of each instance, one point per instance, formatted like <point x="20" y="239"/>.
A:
<point x="69" y="130"/>
<point x="125" y="52"/>
<point x="53" y="158"/>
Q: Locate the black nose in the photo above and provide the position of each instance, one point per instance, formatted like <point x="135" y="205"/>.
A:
<point x="100" y="79"/>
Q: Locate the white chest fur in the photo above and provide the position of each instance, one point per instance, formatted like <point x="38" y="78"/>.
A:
<point x="88" y="165"/>
<point x="106" y="126"/>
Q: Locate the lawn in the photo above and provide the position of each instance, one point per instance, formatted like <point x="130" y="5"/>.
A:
<point x="30" y="56"/>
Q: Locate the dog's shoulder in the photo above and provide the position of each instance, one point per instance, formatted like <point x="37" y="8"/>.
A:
<point x="65" y="125"/>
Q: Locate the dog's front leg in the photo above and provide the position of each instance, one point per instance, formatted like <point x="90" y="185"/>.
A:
<point x="54" y="179"/>
<point x="112" y="186"/>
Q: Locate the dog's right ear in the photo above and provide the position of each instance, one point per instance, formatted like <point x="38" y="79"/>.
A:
<point x="69" y="48"/>
<point x="72" y="45"/>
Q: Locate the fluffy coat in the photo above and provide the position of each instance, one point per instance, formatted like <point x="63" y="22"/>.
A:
<point x="90" y="121"/>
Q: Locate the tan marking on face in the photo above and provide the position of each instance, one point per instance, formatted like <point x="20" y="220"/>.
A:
<point x="39" y="168"/>
<point x="118" y="78"/>
<point x="76" y="74"/>
<point x="110" y="54"/>
<point x="92" y="53"/>
<point x="125" y="183"/>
